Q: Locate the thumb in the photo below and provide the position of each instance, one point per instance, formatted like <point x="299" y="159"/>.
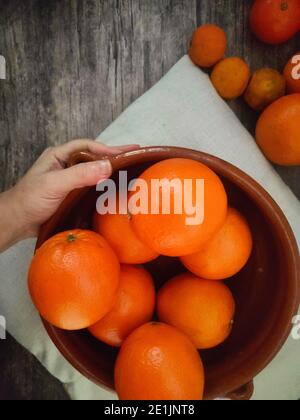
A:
<point x="84" y="175"/>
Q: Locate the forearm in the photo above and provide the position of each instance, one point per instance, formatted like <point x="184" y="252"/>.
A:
<point x="12" y="227"/>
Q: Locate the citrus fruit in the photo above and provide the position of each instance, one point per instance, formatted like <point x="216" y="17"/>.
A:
<point x="176" y="234"/>
<point x="278" y="131"/>
<point x="202" y="309"/>
<point x="158" y="362"/>
<point x="266" y="86"/>
<point x="133" y="307"/>
<point x="226" y="253"/>
<point x="292" y="74"/>
<point x="117" y="230"/>
<point x="73" y="279"/>
<point x="275" y="21"/>
<point x="230" y="77"/>
<point x="208" y="45"/>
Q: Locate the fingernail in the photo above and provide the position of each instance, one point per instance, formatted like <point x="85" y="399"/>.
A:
<point x="104" y="166"/>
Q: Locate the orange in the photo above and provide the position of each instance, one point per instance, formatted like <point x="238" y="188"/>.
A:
<point x="202" y="309"/>
<point x="171" y="234"/>
<point x="158" y="362"/>
<point x="230" y="77"/>
<point x="278" y="131"/>
<point x="117" y="230"/>
<point x="226" y="253"/>
<point x="73" y="279"/>
<point x="266" y="86"/>
<point x="275" y="21"/>
<point x="208" y="45"/>
<point x="292" y="74"/>
<point x="134" y="306"/>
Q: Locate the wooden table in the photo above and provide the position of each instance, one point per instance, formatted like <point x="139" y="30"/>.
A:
<point x="73" y="67"/>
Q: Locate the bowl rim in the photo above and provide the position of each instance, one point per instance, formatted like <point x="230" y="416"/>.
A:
<point x="256" y="192"/>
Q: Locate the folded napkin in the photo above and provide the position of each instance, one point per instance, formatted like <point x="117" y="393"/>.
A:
<point x="183" y="109"/>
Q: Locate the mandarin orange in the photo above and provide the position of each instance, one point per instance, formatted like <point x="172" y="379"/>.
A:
<point x="202" y="309"/>
<point x="133" y="307"/>
<point x="181" y="231"/>
<point x="158" y="362"/>
<point x="73" y="279"/>
<point x="226" y="253"/>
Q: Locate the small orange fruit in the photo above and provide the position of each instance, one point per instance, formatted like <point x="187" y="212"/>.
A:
<point x="266" y="86"/>
<point x="208" y="45"/>
<point x="292" y="74"/>
<point x="278" y="131"/>
<point x="133" y="307"/>
<point x="174" y="234"/>
<point x="226" y="253"/>
<point x="202" y="309"/>
<point x="117" y="230"/>
<point x="230" y="77"/>
<point x="73" y="279"/>
<point x="158" y="362"/>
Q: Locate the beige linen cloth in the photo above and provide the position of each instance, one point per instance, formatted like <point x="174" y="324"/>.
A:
<point x="183" y="109"/>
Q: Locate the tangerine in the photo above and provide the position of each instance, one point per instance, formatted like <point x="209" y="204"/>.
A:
<point x="202" y="309"/>
<point x="73" y="279"/>
<point x="278" y="131"/>
<point x="275" y="21"/>
<point x="230" y="77"/>
<point x="175" y="233"/>
<point x="226" y="253"/>
<point x="117" y="230"/>
<point x="266" y="86"/>
<point x="208" y="45"/>
<point x="158" y="362"/>
<point x="292" y="74"/>
<point x="133" y="307"/>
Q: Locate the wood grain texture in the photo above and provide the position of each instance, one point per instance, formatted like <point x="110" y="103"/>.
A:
<point x="73" y="67"/>
<point x="24" y="378"/>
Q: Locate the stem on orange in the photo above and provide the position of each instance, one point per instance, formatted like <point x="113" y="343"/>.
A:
<point x="71" y="238"/>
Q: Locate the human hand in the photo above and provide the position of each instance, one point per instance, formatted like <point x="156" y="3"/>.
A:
<point x="40" y="192"/>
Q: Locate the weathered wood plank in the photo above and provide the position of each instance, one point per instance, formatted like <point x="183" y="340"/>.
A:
<point x="24" y="378"/>
<point x="74" y="66"/>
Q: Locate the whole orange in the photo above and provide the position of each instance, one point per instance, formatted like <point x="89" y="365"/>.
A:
<point x="275" y="21"/>
<point x="181" y="232"/>
<point x="158" y="362"/>
<point x="292" y="74"/>
<point x="202" y="309"/>
<point x="73" y="279"/>
<point x="133" y="307"/>
<point x="278" y="131"/>
<point x="266" y="86"/>
<point x="208" y="45"/>
<point x="117" y="230"/>
<point x="230" y="77"/>
<point x="226" y="253"/>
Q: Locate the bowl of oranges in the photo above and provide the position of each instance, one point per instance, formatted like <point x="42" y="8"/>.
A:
<point x="168" y="302"/>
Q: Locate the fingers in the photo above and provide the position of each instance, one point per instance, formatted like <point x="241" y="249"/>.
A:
<point x="63" y="152"/>
<point x="82" y="175"/>
<point x="55" y="158"/>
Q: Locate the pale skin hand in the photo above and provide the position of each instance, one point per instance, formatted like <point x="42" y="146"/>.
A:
<point x="37" y="196"/>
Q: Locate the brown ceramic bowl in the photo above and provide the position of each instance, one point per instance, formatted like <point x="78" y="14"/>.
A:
<point x="266" y="291"/>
